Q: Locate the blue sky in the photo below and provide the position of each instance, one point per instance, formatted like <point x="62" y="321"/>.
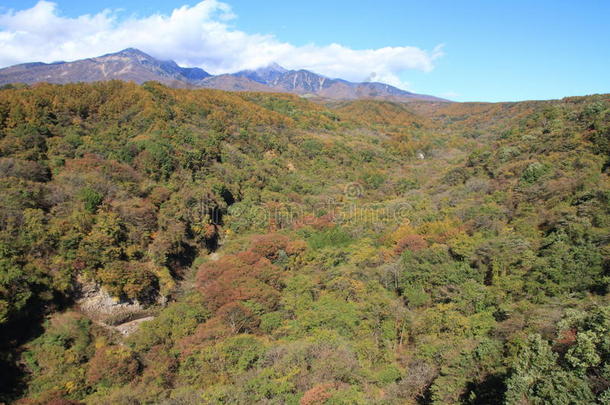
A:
<point x="491" y="50"/>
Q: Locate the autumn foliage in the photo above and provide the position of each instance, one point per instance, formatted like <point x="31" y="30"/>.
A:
<point x="469" y="264"/>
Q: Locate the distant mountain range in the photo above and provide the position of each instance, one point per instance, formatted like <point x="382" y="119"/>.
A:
<point x="134" y="65"/>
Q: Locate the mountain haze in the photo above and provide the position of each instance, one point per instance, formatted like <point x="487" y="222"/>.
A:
<point x="136" y="66"/>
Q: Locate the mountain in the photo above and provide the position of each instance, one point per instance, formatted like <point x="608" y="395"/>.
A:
<point x="134" y="65"/>
<point x="230" y="82"/>
<point x="307" y="83"/>
<point x="128" y="65"/>
<point x="263" y="75"/>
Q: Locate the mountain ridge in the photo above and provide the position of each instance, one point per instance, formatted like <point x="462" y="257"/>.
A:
<point x="132" y="64"/>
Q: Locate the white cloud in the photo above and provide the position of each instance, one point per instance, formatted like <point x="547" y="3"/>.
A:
<point x="200" y="35"/>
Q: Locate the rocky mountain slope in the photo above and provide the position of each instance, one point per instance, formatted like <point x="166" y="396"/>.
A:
<point x="137" y="66"/>
<point x="129" y="65"/>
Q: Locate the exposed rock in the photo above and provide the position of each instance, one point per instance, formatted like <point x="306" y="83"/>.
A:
<point x="97" y="304"/>
<point x="106" y="310"/>
<point x="128" y="328"/>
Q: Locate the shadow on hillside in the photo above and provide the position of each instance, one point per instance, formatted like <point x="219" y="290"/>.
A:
<point x="14" y="334"/>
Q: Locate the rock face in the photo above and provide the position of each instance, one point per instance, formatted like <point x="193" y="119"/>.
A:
<point x="101" y="307"/>
<point x="128" y="328"/>
<point x="134" y="65"/>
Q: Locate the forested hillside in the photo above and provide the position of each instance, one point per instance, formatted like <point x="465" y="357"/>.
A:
<point x="264" y="249"/>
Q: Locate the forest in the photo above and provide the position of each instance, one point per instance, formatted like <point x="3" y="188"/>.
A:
<point x="175" y="246"/>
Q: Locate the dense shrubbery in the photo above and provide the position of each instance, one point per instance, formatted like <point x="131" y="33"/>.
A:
<point x="470" y="265"/>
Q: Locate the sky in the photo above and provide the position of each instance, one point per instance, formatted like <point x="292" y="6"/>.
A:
<point x="467" y="50"/>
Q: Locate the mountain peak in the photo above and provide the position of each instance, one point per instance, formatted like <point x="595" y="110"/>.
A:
<point x="272" y="67"/>
<point x="131" y="52"/>
<point x="275" y="67"/>
<point x="265" y="74"/>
